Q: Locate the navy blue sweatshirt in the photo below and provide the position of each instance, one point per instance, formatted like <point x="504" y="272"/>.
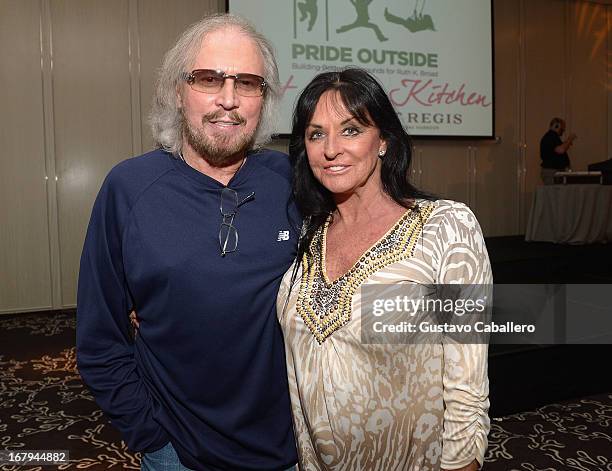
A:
<point x="206" y="370"/>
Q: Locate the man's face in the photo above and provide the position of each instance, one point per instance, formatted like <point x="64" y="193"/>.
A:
<point x="220" y="126"/>
<point x="561" y="128"/>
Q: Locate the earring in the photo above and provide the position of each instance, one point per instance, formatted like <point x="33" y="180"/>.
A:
<point x="381" y="153"/>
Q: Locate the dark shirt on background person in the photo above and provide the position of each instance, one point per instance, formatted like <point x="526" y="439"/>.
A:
<point x="550" y="159"/>
<point x="553" y="151"/>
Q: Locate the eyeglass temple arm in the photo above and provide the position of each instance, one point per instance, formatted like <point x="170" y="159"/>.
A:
<point x="246" y="199"/>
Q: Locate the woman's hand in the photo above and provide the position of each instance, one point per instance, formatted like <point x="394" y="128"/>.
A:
<point x="134" y="322"/>
<point x="473" y="466"/>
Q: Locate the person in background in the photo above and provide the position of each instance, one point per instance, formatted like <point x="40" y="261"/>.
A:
<point x="358" y="405"/>
<point x="553" y="150"/>
<point x="203" y="383"/>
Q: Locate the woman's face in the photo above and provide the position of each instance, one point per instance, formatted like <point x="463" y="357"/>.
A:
<point x="343" y="153"/>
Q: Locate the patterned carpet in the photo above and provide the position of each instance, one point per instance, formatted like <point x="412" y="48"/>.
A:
<point x="43" y="403"/>
<point x="575" y="435"/>
<point x="44" y="406"/>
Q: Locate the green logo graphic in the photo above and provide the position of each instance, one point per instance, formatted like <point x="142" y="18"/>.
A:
<point x="363" y="20"/>
<point x="308" y="10"/>
<point x="309" y="14"/>
<point x="415" y="23"/>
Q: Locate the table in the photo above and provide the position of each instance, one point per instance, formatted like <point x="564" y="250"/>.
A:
<point x="571" y="214"/>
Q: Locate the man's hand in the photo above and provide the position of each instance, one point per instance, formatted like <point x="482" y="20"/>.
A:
<point x="565" y="145"/>
<point x="473" y="466"/>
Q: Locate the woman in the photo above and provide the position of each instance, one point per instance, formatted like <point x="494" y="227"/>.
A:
<point x="374" y="407"/>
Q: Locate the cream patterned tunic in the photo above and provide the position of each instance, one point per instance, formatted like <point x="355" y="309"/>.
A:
<point x="386" y="407"/>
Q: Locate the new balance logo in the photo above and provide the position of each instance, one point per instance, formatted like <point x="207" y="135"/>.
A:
<point x="282" y="235"/>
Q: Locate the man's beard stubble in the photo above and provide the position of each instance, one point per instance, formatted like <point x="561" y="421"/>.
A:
<point x="218" y="150"/>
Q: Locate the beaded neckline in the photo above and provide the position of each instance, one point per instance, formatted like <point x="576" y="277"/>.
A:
<point x="324" y="305"/>
<point x="323" y="254"/>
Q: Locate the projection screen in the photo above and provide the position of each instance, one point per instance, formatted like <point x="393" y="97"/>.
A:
<point x="433" y="57"/>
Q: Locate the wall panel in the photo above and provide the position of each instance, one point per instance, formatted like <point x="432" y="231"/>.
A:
<point x="609" y="81"/>
<point x="24" y="238"/>
<point x="546" y="81"/>
<point x="498" y="165"/>
<point x="444" y="169"/>
<point x="588" y="41"/>
<point x="92" y="114"/>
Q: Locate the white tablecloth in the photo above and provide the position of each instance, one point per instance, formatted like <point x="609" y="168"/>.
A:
<point x="571" y="214"/>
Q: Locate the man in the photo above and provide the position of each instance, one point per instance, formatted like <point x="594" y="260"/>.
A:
<point x="203" y="383"/>
<point x="553" y="151"/>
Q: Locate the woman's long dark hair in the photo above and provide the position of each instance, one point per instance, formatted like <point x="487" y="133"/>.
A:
<point x="366" y="100"/>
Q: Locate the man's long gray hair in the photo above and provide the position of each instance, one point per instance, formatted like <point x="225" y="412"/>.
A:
<point x="166" y="120"/>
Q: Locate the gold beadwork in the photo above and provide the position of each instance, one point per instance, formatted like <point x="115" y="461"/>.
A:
<point x="325" y="305"/>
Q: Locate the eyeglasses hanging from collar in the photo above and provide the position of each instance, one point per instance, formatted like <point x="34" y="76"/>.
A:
<point x="228" y="234"/>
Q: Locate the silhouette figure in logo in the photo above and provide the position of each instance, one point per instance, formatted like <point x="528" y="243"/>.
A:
<point x="363" y="19"/>
<point x="416" y="22"/>
<point x="308" y="8"/>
